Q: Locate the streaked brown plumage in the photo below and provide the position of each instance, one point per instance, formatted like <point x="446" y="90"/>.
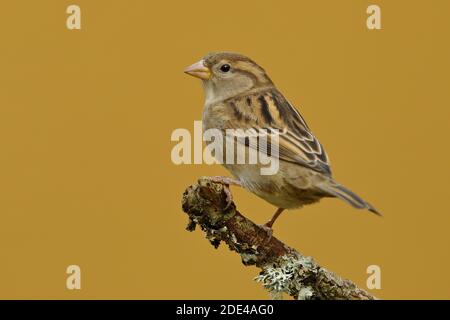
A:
<point x="240" y="95"/>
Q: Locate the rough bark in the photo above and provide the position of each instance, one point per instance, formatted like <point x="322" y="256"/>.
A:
<point x="283" y="269"/>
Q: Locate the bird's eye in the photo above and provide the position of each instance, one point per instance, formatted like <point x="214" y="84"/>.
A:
<point x="225" y="67"/>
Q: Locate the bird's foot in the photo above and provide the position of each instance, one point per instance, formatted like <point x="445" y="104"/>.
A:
<point x="269" y="224"/>
<point x="229" y="197"/>
<point x="268" y="229"/>
<point x="226" y="180"/>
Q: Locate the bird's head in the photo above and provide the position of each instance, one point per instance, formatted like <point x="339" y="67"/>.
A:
<point x="226" y="74"/>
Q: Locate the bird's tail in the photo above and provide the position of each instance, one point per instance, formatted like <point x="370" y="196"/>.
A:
<point x="348" y="196"/>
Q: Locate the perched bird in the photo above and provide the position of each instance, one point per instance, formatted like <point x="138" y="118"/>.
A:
<point x="240" y="95"/>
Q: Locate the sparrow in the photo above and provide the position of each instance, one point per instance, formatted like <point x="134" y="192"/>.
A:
<point x="240" y="95"/>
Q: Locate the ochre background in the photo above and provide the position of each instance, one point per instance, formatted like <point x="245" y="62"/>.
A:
<point x="85" y="124"/>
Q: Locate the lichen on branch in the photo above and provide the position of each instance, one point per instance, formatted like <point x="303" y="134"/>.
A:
<point x="283" y="269"/>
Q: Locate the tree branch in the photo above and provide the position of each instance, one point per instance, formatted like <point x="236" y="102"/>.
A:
<point x="283" y="269"/>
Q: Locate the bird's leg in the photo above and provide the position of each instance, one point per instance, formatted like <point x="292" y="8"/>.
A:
<point x="268" y="225"/>
<point x="227" y="181"/>
<point x="277" y="213"/>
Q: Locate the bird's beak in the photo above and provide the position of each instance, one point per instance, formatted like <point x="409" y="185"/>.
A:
<point x="198" y="70"/>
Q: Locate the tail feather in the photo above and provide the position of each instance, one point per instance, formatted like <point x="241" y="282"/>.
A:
<point x="350" y="197"/>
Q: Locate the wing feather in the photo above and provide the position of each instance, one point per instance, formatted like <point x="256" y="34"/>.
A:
<point x="297" y="144"/>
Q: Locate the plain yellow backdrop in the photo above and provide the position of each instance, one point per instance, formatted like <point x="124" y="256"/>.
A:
<point x="86" y="117"/>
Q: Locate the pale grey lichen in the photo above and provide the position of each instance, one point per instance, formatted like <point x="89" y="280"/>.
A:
<point x="249" y="258"/>
<point x="305" y="293"/>
<point x="290" y="274"/>
<point x="276" y="295"/>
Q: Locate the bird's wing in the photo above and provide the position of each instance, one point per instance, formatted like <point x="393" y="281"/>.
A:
<point x="271" y="111"/>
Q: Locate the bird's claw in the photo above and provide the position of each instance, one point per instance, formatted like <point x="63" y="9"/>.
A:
<point x="268" y="230"/>
<point x="226" y="181"/>
<point x="229" y="197"/>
